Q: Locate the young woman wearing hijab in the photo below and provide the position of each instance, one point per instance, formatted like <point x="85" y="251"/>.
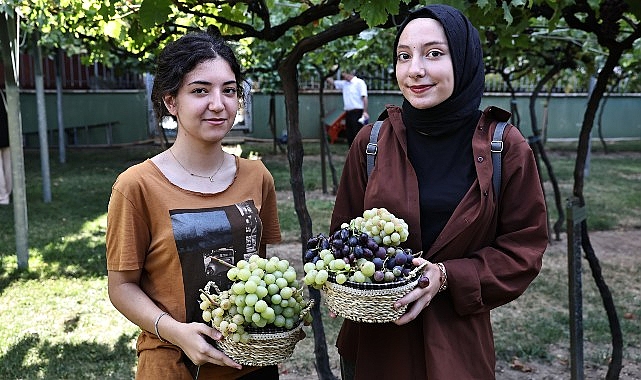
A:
<point x="171" y="215"/>
<point x="434" y="169"/>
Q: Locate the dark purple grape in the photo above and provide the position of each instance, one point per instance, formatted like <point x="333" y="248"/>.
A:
<point x="352" y="258"/>
<point x="400" y="258"/>
<point x="406" y="272"/>
<point x="337" y="243"/>
<point x="346" y="250"/>
<point x="391" y="263"/>
<point x="410" y="261"/>
<point x="352" y="241"/>
<point x="378" y="263"/>
<point x="358" y="251"/>
<point x="312" y="242"/>
<point x="338" y="253"/>
<point x="379" y="276"/>
<point x="337" y="235"/>
<point x="309" y="255"/>
<point x="380" y="253"/>
<point x="344" y="234"/>
<point x="371" y="244"/>
<point x="315" y="259"/>
<point x="324" y="243"/>
<point x="363" y="238"/>
<point x="368" y="254"/>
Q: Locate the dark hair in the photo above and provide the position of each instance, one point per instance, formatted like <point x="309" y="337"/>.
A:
<point x="181" y="56"/>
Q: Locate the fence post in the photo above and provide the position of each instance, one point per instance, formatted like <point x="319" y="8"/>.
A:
<point x="575" y="215"/>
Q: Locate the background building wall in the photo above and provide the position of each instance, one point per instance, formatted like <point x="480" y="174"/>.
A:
<point x="128" y="110"/>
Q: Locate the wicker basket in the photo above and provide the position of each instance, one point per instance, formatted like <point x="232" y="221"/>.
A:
<point x="263" y="348"/>
<point x="369" y="302"/>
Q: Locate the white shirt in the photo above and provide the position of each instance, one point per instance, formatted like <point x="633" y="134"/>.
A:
<point x="353" y="92"/>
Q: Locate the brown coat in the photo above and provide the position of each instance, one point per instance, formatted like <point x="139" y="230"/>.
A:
<point x="489" y="263"/>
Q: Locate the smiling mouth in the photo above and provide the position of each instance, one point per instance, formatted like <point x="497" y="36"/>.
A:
<point x="421" y="88"/>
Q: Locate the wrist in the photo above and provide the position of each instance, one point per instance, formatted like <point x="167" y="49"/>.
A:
<point x="156" y="326"/>
<point x="443" y="277"/>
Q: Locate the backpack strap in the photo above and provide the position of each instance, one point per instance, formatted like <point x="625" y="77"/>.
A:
<point x="496" y="147"/>
<point x="372" y="147"/>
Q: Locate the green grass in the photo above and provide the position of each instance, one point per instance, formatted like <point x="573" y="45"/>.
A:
<point x="56" y="321"/>
<point x="609" y="186"/>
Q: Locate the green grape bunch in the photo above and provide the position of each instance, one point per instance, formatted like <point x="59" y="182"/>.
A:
<point x="365" y="250"/>
<point x="382" y="226"/>
<point x="265" y="293"/>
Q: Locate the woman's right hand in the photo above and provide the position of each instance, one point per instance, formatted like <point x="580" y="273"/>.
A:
<point x="190" y="337"/>
<point x="127" y="296"/>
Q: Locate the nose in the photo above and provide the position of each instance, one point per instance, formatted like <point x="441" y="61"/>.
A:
<point x="417" y="68"/>
<point x="215" y="102"/>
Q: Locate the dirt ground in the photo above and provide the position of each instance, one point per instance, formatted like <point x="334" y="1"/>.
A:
<point x="623" y="247"/>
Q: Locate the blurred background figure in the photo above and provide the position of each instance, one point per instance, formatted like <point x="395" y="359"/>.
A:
<point x="354" y="102"/>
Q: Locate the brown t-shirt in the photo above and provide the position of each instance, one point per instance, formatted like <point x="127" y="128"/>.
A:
<point x="172" y="233"/>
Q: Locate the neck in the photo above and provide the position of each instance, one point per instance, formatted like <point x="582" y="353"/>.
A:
<point x="204" y="166"/>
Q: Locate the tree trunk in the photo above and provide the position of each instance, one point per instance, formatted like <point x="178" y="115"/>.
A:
<point x="539" y="150"/>
<point x="600" y="122"/>
<point x="325" y="151"/>
<point x="42" y="123"/>
<point x="615" y="366"/>
<point x="62" y="153"/>
<point x="287" y="72"/>
<point x="9" y="52"/>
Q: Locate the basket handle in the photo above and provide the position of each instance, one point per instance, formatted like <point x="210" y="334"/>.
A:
<point x="419" y="268"/>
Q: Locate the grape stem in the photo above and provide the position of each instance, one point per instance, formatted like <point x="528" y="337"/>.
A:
<point x="207" y="293"/>
<point x="213" y="302"/>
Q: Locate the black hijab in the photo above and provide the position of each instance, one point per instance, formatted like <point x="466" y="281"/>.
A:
<point x="462" y="106"/>
<point x="439" y="139"/>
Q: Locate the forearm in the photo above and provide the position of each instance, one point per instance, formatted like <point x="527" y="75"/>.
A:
<point x="130" y="300"/>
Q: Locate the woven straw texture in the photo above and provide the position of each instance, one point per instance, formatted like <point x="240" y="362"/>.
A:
<point x="370" y="302"/>
<point x="263" y="348"/>
<point x="370" y="305"/>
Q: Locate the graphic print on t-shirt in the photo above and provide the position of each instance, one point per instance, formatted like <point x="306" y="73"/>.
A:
<point x="229" y="233"/>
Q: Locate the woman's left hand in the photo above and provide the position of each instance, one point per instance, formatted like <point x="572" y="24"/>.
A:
<point x="419" y="298"/>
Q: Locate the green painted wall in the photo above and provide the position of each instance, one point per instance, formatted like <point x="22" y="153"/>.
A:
<point x="129" y="109"/>
<point x="80" y="108"/>
<point x="565" y="113"/>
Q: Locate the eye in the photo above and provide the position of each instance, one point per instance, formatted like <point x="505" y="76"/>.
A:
<point x="199" y="90"/>
<point x="434" y="54"/>
<point x="230" y="91"/>
<point x="402" y="56"/>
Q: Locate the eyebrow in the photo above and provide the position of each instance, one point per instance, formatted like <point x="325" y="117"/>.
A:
<point x="204" y="82"/>
<point x="430" y="43"/>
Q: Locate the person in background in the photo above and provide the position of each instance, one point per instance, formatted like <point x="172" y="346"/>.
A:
<point x="354" y="102"/>
<point x="434" y="170"/>
<point x="169" y="216"/>
<point x="6" y="179"/>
